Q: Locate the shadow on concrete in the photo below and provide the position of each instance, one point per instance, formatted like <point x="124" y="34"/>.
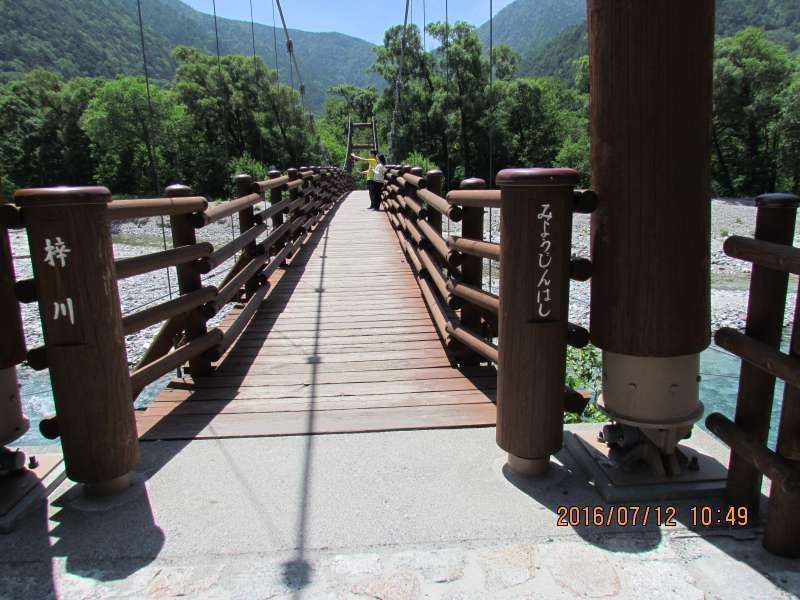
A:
<point x="86" y="541"/>
<point x="88" y="535"/>
<point x="566" y="486"/>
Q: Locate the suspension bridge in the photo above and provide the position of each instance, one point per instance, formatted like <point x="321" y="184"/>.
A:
<point x="333" y="319"/>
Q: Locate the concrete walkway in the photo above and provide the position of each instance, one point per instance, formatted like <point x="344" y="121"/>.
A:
<point x="411" y="514"/>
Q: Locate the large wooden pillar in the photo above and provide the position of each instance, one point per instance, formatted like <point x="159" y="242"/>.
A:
<point x="651" y="69"/>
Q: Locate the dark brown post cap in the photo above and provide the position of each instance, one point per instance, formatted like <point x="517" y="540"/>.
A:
<point x="274" y="173"/>
<point x="777" y="201"/>
<point x="292" y="173"/>
<point x="473" y="183"/>
<point x="178" y="190"/>
<point x="241" y="177"/>
<point x="59" y="196"/>
<point x="537" y="177"/>
<point x="416" y="171"/>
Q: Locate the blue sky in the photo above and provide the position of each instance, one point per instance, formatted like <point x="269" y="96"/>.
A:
<point x="367" y="20"/>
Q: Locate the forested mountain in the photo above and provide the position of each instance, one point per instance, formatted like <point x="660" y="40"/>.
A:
<point x="547" y="49"/>
<point x="527" y="25"/>
<point x="101" y="38"/>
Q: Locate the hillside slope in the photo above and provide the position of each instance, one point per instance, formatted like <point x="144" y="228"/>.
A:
<point x="527" y="25"/>
<point x="553" y="55"/>
<point x="101" y="38"/>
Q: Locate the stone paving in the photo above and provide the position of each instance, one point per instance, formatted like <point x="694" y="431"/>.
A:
<point x="417" y="514"/>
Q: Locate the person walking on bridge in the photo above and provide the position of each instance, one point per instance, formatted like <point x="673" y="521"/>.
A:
<point x="372" y="163"/>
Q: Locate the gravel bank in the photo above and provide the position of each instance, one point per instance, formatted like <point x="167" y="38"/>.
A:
<point x="730" y="277"/>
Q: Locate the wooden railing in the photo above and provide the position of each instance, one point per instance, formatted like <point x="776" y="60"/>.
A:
<point x="773" y="258"/>
<point x="529" y="317"/>
<point x="75" y="285"/>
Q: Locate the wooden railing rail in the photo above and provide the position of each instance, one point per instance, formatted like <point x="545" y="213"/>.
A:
<point x="773" y="258"/>
<point x="75" y="284"/>
<point x="468" y="317"/>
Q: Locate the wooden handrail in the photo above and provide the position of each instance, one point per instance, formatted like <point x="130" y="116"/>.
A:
<point x="767" y="358"/>
<point x="242" y="319"/>
<point x="167" y="310"/>
<point x="474" y="247"/>
<point x="155" y="207"/>
<point x="475" y="198"/>
<point x="774" y="466"/>
<point x="223" y="210"/>
<point x="778" y="257"/>
<point x="218" y="257"/>
<point x="146" y="263"/>
<point x="441" y="205"/>
<point x="271" y="184"/>
<point x="196" y="347"/>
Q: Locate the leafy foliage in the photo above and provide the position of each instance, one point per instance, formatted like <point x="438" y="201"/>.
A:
<point x="585" y="373"/>
<point x="447" y="107"/>
<point x="559" y="36"/>
<point x="756" y="113"/>
<point x="56" y="132"/>
<point x="101" y="38"/>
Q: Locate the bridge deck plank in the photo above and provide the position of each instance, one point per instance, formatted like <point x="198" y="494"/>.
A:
<point x="343" y="343"/>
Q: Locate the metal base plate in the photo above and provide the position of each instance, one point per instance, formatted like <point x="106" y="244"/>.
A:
<point x="20" y="491"/>
<point x="616" y="484"/>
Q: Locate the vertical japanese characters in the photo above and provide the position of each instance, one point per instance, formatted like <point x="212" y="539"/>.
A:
<point x="544" y="306"/>
<point x="55" y="255"/>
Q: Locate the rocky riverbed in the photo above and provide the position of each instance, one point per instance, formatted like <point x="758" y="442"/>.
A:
<point x="730" y="277"/>
<point x="730" y="280"/>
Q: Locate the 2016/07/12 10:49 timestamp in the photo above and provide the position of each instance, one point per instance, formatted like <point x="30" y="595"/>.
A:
<point x="642" y="516"/>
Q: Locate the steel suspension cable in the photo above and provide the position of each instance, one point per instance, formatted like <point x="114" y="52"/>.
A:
<point x="491" y="132"/>
<point x="447" y="81"/>
<point x="216" y="34"/>
<point x="275" y="40"/>
<point x="292" y="56"/>
<point x="222" y="82"/>
<point x="255" y="76"/>
<point x="424" y="26"/>
<point x="397" y="81"/>
<point x="148" y="125"/>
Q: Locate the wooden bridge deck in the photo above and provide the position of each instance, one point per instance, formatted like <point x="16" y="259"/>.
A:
<point x="342" y="343"/>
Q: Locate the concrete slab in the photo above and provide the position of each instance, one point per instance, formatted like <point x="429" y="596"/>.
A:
<point x="418" y="514"/>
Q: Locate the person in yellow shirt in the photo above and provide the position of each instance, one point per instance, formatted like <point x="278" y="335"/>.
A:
<point x="372" y="185"/>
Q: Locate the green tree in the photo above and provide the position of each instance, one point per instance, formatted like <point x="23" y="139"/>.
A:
<point x="789" y="126"/>
<point x="750" y="76"/>
<point x="238" y="106"/>
<point x="119" y="124"/>
<point x="29" y="145"/>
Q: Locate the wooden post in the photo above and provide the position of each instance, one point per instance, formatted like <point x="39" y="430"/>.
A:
<point x="275" y="196"/>
<point x="13" y="423"/>
<point x="651" y="73"/>
<point x="73" y="265"/>
<point x="244" y="187"/>
<point x="775" y="223"/>
<point x="472" y="266"/>
<point x="189" y="278"/>
<point x="435" y="180"/>
<point x="651" y="76"/>
<point x="782" y="534"/>
<point x="535" y="226"/>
